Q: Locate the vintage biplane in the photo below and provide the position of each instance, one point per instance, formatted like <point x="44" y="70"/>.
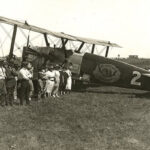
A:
<point x="86" y="67"/>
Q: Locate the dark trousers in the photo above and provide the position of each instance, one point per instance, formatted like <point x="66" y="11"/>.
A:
<point x="3" y="92"/>
<point x="24" y="92"/>
<point x="36" y="87"/>
<point x="10" y="95"/>
<point x="3" y="100"/>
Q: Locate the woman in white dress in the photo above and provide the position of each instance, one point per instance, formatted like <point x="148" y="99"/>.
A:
<point x="69" y="80"/>
<point x="50" y="81"/>
<point x="57" y="81"/>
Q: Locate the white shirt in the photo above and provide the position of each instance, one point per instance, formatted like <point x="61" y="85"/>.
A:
<point x="2" y="73"/>
<point x="50" y="74"/>
<point x="68" y="72"/>
<point x="25" y="74"/>
<point x="57" y="75"/>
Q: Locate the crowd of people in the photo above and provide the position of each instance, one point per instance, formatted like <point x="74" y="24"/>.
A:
<point x="19" y="82"/>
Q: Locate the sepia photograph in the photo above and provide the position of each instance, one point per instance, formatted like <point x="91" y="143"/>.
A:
<point x="74" y="75"/>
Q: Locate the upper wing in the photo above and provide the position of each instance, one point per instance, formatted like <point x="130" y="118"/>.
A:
<point x="34" y="28"/>
<point x="95" y="41"/>
<point x="56" y="34"/>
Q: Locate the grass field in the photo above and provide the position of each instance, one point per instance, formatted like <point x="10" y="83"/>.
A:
<point x="104" y="118"/>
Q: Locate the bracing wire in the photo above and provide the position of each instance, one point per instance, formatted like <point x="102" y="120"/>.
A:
<point x="8" y="34"/>
<point x="88" y="47"/>
<point x="73" y="45"/>
<point x="102" y="50"/>
<point x="26" y="37"/>
<point x="32" y="39"/>
<point x="5" y="38"/>
<point x="51" y="40"/>
<point x="2" y="48"/>
<point x="59" y="43"/>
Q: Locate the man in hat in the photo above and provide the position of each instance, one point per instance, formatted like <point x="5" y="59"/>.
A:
<point x="24" y="77"/>
<point x="10" y="82"/>
<point x="3" y="91"/>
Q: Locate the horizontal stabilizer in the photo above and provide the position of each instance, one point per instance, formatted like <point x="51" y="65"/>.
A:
<point x="146" y="74"/>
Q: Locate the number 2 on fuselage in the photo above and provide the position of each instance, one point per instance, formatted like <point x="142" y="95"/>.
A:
<point x="137" y="75"/>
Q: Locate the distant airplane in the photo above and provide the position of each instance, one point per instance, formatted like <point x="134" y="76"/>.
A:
<point x="86" y="67"/>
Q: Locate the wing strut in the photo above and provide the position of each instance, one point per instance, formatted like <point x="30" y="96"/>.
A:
<point x="64" y="42"/>
<point x="46" y="40"/>
<point x="93" y="47"/>
<point x="79" y="49"/>
<point x="13" y="41"/>
<point x="107" y="50"/>
<point x="28" y="39"/>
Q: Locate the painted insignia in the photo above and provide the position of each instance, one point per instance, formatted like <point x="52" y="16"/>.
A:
<point x="107" y="73"/>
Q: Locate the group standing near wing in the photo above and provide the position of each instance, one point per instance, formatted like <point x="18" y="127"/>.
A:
<point x="19" y="82"/>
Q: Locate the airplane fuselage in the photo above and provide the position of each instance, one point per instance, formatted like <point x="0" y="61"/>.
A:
<point x="111" y="72"/>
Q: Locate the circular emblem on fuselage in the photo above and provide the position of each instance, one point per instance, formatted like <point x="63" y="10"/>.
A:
<point x="107" y="73"/>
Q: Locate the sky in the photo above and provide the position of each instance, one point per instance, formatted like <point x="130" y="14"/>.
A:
<point x="125" y="22"/>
